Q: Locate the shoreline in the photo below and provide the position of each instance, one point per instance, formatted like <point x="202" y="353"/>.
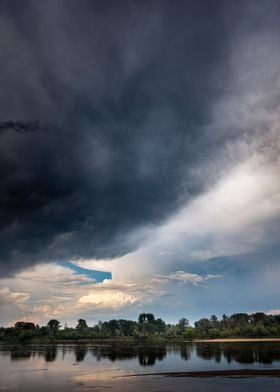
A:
<point x="236" y="340"/>
<point x="234" y="373"/>
<point x="136" y="341"/>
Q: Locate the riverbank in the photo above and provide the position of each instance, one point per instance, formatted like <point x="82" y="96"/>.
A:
<point x="214" y="373"/>
<point x="236" y="340"/>
<point x="132" y="340"/>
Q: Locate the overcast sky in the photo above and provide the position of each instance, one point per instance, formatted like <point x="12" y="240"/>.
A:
<point x="139" y="159"/>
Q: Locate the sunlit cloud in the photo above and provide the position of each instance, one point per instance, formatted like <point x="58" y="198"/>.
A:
<point x="8" y="297"/>
<point x="108" y="300"/>
<point x="54" y="274"/>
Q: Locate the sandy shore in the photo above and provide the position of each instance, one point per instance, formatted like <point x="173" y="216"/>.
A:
<point x="236" y="340"/>
<point x="216" y="373"/>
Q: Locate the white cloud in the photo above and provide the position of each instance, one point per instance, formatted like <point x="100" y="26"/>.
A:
<point x="8" y="297"/>
<point x="46" y="299"/>
<point x="233" y="217"/>
<point x="54" y="274"/>
<point x="187" y="277"/>
<point x="108" y="299"/>
<point x="13" y="304"/>
<point x="273" y="312"/>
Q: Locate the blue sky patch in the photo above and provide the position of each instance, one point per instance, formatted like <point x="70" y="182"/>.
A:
<point x="98" y="276"/>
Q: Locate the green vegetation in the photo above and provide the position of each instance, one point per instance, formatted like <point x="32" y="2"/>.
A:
<point x="237" y="325"/>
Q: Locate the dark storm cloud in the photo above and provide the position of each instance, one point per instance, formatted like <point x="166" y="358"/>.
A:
<point x="127" y="86"/>
<point x="19" y="126"/>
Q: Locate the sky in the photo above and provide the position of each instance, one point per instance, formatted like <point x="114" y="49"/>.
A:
<point x="139" y="159"/>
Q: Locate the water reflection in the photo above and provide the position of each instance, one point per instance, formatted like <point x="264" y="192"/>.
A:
<point x="20" y="353"/>
<point x="185" y="352"/>
<point x="148" y="355"/>
<point x="264" y="353"/>
<point x="80" y="353"/>
<point x="208" y="352"/>
<point x="50" y="353"/>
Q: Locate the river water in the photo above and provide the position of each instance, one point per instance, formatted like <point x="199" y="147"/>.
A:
<point x="122" y="366"/>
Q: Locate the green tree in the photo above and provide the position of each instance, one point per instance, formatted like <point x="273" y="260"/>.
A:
<point x="81" y="327"/>
<point x="25" y="325"/>
<point x="202" y="326"/>
<point x="224" y="320"/>
<point x="82" y="324"/>
<point x="150" y="317"/>
<point x="213" y="319"/>
<point x="160" y="325"/>
<point x="183" y="323"/>
<point x="189" y="333"/>
<point x="142" y="318"/>
<point x="53" y="326"/>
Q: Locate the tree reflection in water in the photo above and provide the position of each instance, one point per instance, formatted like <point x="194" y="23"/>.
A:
<point x="50" y="353"/>
<point x="148" y="355"/>
<point x="243" y="353"/>
<point x="19" y="353"/>
<point x="186" y="351"/>
<point x="80" y="352"/>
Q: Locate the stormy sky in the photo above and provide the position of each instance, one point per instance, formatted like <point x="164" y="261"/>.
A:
<point x="139" y="158"/>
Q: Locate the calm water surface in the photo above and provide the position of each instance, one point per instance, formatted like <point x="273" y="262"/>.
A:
<point x="101" y="367"/>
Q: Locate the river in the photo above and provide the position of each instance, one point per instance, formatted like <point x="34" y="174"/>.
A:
<point x="128" y="366"/>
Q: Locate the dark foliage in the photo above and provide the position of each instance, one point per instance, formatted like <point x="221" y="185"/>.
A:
<point x="237" y="325"/>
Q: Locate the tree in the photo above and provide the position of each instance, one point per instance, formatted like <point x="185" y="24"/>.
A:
<point x="160" y="325"/>
<point x="53" y="326"/>
<point x="25" y="325"/>
<point x="213" y="318"/>
<point x="189" y="333"/>
<point x="113" y="327"/>
<point x="238" y="319"/>
<point x="143" y="321"/>
<point x="224" y="321"/>
<point x="127" y="327"/>
<point x="81" y="326"/>
<point x="142" y="318"/>
<point x="258" y="317"/>
<point x="183" y="323"/>
<point x="150" y="317"/>
<point x="214" y="321"/>
<point x="203" y="325"/>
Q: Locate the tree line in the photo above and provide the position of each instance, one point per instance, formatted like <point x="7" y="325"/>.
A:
<point x="237" y="325"/>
